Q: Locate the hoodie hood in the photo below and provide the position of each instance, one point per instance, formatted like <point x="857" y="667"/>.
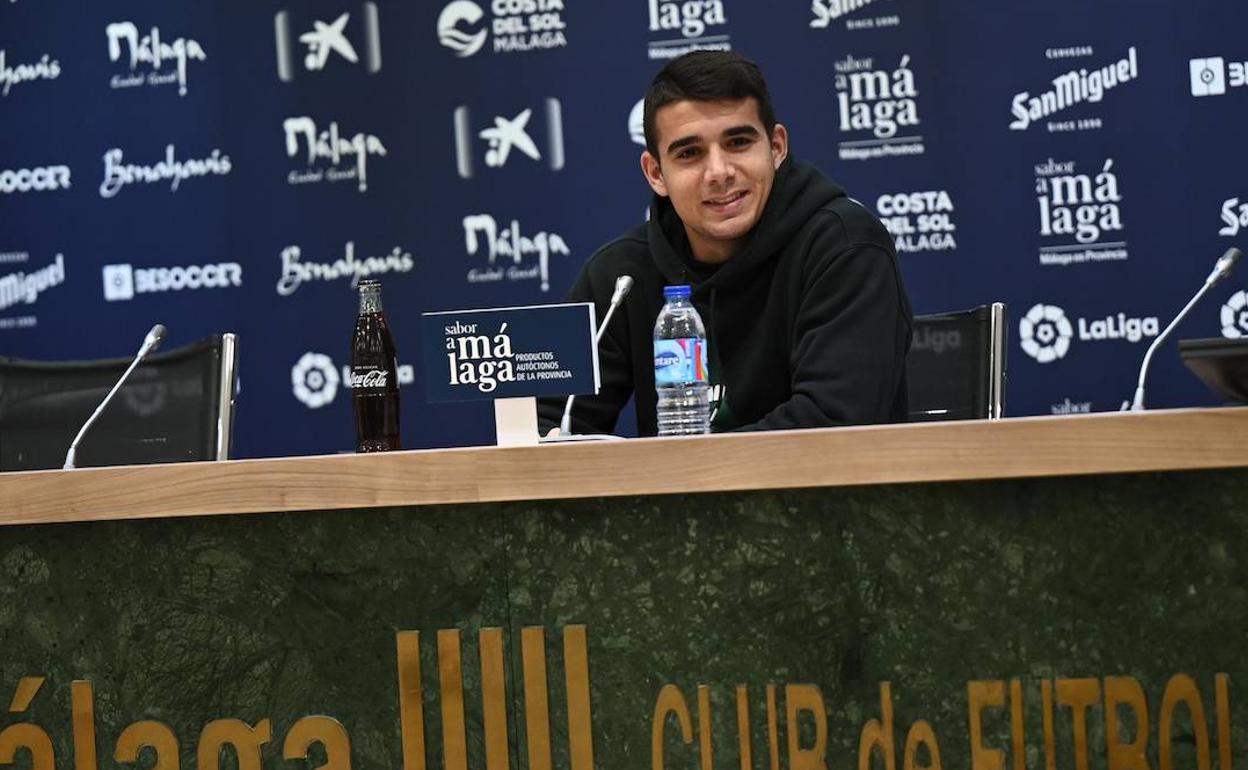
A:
<point x="797" y="192"/>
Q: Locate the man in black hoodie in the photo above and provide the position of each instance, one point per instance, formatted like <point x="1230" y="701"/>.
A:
<point x="807" y="320"/>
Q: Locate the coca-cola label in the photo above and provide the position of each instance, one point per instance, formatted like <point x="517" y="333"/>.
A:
<point x="362" y="377"/>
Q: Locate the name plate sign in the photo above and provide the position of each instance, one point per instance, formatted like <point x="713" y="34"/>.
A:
<point x="510" y="352"/>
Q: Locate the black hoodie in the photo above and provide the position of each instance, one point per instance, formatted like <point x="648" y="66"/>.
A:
<point x="808" y="324"/>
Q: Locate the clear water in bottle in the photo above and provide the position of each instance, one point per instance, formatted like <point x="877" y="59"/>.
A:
<point x="681" y="379"/>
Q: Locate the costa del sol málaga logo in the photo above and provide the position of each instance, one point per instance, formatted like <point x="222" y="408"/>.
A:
<point x="314" y="380"/>
<point x="463" y="43"/>
<point x="1045" y="333"/>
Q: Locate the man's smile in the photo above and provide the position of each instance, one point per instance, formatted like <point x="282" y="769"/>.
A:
<point x="724" y="203"/>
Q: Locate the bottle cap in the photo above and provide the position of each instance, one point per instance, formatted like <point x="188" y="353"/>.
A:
<point x="676" y="291"/>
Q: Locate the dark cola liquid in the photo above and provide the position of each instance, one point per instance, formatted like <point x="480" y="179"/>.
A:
<point x="374" y="385"/>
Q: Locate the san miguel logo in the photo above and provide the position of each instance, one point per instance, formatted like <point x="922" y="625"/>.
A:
<point x="153" y="59"/>
<point x="826" y="12"/>
<point x="1072" y="88"/>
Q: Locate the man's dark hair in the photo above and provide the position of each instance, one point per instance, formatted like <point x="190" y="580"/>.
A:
<point x="706" y="76"/>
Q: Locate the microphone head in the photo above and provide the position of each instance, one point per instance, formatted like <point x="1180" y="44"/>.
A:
<point x="1227" y="262"/>
<point x="154" y="337"/>
<point x="623" y="285"/>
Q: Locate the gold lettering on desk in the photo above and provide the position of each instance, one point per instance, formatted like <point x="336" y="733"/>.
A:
<point x="1182" y="689"/>
<point x="154" y="735"/>
<point x="494" y="699"/>
<point x="1124" y="702"/>
<point x="670" y="701"/>
<point x="25" y="735"/>
<point x="326" y="731"/>
<point x="536" y="700"/>
<point x="245" y="739"/>
<point x="807" y="698"/>
<point x="1126" y="691"/>
<point x="981" y="695"/>
<point x="1079" y="695"/>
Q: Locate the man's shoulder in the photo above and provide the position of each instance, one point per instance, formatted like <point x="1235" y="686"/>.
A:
<point x="628" y="248"/>
<point x="627" y="254"/>
<point x="847" y="219"/>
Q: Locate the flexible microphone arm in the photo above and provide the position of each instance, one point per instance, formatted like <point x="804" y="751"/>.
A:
<point x="150" y="343"/>
<point x="623" y="285"/>
<point x="1220" y="270"/>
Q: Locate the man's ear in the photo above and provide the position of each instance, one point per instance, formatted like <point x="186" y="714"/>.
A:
<point x="653" y="173"/>
<point x="779" y="144"/>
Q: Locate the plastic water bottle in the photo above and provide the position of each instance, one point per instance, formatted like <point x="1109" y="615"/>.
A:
<point x="680" y="374"/>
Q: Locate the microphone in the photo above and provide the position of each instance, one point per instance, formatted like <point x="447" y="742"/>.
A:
<point x="1220" y="270"/>
<point x="623" y="285"/>
<point x="150" y="343"/>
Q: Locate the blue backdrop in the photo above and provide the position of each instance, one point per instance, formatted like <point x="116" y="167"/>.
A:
<point x="235" y="166"/>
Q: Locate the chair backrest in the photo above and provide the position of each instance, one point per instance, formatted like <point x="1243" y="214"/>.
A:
<point x="956" y="366"/>
<point x="177" y="406"/>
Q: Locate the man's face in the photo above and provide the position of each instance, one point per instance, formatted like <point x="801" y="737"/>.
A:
<point x="717" y="164"/>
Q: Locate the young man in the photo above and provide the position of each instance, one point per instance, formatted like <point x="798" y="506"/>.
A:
<point x="807" y="320"/>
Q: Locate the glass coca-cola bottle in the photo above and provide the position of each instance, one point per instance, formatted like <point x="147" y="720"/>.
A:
<point x="374" y="376"/>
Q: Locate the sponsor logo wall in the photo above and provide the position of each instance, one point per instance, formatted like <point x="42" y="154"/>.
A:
<point x="475" y="153"/>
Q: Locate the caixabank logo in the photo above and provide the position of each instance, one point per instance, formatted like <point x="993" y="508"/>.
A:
<point x="1080" y="212"/>
<point x="1047" y="334"/>
<point x="512" y="26"/>
<point x="509" y="138"/>
<point x="1075" y="87"/>
<point x="877" y="108"/>
<point x="154" y="59"/>
<point x="350" y="39"/>
<point x="854" y="14"/>
<point x="680" y="26"/>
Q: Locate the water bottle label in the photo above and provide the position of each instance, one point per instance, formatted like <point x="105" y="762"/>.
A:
<point x="679" y="361"/>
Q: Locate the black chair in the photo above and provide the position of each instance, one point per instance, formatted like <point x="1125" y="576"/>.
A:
<point x="176" y="406"/>
<point x="956" y="366"/>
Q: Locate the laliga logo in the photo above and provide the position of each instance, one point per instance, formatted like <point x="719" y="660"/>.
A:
<point x="314" y="379"/>
<point x="1235" y="316"/>
<point x="637" y="123"/>
<point x="462" y="43"/>
<point x="1045" y="333"/>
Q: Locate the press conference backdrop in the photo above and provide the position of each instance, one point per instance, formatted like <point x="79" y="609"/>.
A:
<point x="239" y="165"/>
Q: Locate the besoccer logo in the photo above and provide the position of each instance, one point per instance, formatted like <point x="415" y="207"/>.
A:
<point x="314" y="379"/>
<point x="1235" y="316"/>
<point x="1045" y="333"/>
<point x="463" y="43"/>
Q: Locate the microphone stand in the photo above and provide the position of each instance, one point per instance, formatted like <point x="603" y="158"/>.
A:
<point x="150" y="343"/>
<point x="1221" y="270"/>
<point x="623" y="285"/>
